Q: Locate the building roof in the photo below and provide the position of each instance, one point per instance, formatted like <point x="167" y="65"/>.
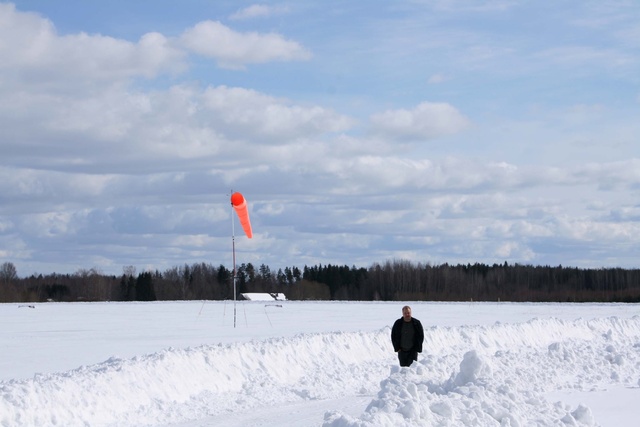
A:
<point x="257" y="296"/>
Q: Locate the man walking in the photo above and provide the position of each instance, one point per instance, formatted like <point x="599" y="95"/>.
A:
<point x="407" y="336"/>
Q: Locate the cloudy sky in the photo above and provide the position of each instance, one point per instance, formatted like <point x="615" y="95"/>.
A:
<point x="433" y="131"/>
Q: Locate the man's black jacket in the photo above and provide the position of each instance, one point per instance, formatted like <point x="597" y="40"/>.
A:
<point x="418" y="337"/>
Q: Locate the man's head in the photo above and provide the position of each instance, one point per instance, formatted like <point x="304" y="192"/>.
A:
<point x="406" y="313"/>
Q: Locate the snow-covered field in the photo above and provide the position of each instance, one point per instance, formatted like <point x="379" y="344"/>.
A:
<point x="317" y="364"/>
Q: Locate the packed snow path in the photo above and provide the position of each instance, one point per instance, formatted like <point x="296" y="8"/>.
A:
<point x="499" y="375"/>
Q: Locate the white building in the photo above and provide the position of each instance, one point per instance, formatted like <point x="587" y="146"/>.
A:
<point x="256" y="296"/>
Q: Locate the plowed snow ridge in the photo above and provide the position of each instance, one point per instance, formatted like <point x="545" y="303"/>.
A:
<point x="477" y="374"/>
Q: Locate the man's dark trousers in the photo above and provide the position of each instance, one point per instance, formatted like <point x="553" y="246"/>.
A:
<point x="406" y="358"/>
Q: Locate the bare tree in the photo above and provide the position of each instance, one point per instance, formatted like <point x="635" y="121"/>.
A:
<point x="8" y="272"/>
<point x="129" y="270"/>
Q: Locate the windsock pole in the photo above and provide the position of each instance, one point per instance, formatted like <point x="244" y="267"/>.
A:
<point x="238" y="204"/>
<point x="233" y="250"/>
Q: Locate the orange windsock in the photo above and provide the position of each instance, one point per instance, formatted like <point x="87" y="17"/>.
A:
<point x="240" y="206"/>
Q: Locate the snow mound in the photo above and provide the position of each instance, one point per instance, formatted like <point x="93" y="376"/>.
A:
<point x="467" y="376"/>
<point x="181" y="384"/>
<point x="503" y="382"/>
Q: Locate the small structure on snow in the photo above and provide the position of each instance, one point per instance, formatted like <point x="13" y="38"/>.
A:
<point x="257" y="296"/>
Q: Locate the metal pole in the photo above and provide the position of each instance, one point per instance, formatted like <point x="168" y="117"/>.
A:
<point x="233" y="249"/>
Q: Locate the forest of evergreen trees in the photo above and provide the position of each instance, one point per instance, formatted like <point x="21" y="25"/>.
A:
<point x="397" y="280"/>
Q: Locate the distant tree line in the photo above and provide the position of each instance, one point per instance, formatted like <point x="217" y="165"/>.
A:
<point x="397" y="280"/>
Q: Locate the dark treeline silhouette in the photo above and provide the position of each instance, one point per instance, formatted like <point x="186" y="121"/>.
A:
<point x="396" y="280"/>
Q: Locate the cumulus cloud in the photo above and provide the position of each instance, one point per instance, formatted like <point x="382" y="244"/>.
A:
<point x="41" y="55"/>
<point x="233" y="49"/>
<point x="116" y="130"/>
<point x="247" y="113"/>
<point x="427" y="120"/>
<point x="38" y="55"/>
<point x="113" y="145"/>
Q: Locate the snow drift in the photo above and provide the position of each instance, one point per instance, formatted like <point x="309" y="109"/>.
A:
<point x="468" y="375"/>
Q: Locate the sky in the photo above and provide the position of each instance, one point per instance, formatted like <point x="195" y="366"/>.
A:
<point x="359" y="132"/>
<point x="183" y="364"/>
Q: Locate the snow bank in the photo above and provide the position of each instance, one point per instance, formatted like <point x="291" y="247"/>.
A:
<point x="480" y="375"/>
<point x="504" y="375"/>
<point x="181" y="384"/>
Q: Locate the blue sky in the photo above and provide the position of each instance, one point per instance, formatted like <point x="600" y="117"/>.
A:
<point x="432" y="131"/>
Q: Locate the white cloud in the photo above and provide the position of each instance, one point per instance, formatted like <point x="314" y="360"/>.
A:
<point x="49" y="224"/>
<point x="581" y="56"/>
<point x="38" y="55"/>
<point x="472" y="5"/>
<point x="428" y="120"/>
<point x="437" y="79"/>
<point x="258" y="11"/>
<point x="112" y="145"/>
<point x="245" y="113"/>
<point x="511" y="250"/>
<point x="118" y="130"/>
<point x="233" y="49"/>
